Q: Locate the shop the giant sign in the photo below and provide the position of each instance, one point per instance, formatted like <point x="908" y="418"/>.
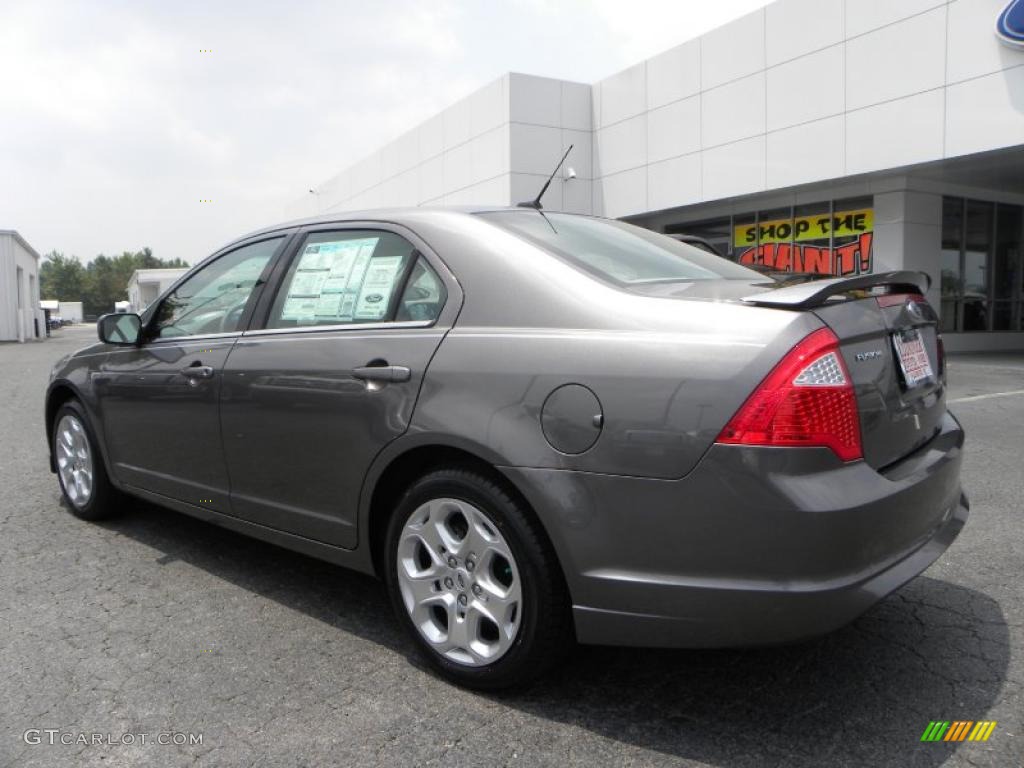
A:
<point x="801" y="244"/>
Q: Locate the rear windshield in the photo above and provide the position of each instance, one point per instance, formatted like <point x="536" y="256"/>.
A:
<point x="616" y="251"/>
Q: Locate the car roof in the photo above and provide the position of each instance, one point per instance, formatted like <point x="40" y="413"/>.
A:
<point x="396" y="215"/>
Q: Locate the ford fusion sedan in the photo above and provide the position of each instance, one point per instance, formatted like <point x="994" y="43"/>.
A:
<point x="536" y="428"/>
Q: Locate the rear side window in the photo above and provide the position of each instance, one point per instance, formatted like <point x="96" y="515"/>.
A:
<point x="424" y="294"/>
<point x="351" y="276"/>
<point x="616" y="251"/>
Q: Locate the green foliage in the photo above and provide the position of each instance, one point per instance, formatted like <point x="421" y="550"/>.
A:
<point x="98" y="284"/>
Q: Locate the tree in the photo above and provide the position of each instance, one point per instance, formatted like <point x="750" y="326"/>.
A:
<point x="61" y="277"/>
<point x="99" y="284"/>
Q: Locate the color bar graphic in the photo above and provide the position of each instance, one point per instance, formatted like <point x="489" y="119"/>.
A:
<point x="958" y="730"/>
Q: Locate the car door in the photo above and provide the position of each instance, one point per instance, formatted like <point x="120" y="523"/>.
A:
<point x="332" y="376"/>
<point x="160" y="400"/>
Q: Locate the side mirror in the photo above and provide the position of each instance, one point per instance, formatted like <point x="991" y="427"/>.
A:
<point x="120" y="328"/>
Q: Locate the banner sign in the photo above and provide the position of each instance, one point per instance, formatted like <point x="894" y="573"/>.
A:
<point x="786" y="245"/>
<point x="850" y="259"/>
<point x="803" y="228"/>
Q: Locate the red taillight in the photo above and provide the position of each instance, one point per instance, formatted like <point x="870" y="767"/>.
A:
<point x="807" y="400"/>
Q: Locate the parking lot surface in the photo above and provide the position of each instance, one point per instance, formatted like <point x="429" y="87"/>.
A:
<point x="157" y="624"/>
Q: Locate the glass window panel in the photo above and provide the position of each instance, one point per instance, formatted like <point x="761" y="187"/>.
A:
<point x="1008" y="275"/>
<point x="821" y="209"/>
<point x="978" y="230"/>
<point x="775" y="225"/>
<point x="952" y="222"/>
<point x="812" y="249"/>
<point x="977" y="246"/>
<point x="951" y="277"/>
<point x="1004" y="316"/>
<point x="615" y="250"/>
<point x="975" y="314"/>
<point x="948" y="315"/>
<point x="975" y="271"/>
<point x="854" y="203"/>
<point x="744" y="235"/>
<point x="342" y="277"/>
<point x="213" y="300"/>
<point x="775" y="238"/>
<point x="718" y="232"/>
<point x="424" y="294"/>
<point x="952" y="284"/>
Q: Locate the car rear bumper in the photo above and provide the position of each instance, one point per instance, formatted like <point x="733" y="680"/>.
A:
<point x="754" y="546"/>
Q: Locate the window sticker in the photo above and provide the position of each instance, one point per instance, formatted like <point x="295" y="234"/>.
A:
<point x="327" y="281"/>
<point x="377" y="287"/>
<point x="306" y="284"/>
<point x="302" y="310"/>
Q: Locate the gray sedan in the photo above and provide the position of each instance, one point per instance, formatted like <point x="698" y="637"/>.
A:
<point x="536" y="428"/>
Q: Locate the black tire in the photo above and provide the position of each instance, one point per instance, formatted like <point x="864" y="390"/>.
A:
<point x="105" y="500"/>
<point x="545" y="630"/>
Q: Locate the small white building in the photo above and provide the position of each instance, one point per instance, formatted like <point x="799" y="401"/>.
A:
<point x="146" y="285"/>
<point x="21" y="318"/>
<point x="70" y="311"/>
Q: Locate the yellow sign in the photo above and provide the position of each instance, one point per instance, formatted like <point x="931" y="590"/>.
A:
<point x="803" y="228"/>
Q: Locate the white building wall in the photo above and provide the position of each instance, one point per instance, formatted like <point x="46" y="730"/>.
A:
<point x="19" y="323"/>
<point x="489" y="148"/>
<point x="460" y="154"/>
<point x="802" y="91"/>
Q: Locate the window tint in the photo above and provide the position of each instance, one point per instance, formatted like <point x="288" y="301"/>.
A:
<point x="213" y="300"/>
<point x="342" y="277"/>
<point x="615" y="250"/>
<point x="424" y="294"/>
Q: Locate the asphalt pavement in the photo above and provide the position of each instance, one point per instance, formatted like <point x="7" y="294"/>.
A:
<point x="157" y="627"/>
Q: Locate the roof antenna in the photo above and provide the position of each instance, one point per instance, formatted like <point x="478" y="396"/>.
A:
<point x="535" y="203"/>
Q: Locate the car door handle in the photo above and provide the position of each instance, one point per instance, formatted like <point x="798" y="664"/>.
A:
<point x="197" y="372"/>
<point x="382" y="373"/>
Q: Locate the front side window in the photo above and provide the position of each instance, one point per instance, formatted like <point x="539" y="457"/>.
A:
<point x="213" y="300"/>
<point x="337" y="278"/>
<point x="616" y="251"/>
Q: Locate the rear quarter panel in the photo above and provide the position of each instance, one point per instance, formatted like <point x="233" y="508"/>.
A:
<point x="668" y="372"/>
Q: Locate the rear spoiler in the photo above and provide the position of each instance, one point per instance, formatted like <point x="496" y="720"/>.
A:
<point x="815" y="293"/>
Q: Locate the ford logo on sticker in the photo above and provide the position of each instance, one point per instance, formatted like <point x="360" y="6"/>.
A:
<point x="1010" y="24"/>
<point x="373" y="298"/>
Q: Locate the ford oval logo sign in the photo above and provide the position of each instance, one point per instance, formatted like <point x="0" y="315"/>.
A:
<point x="1010" y="24"/>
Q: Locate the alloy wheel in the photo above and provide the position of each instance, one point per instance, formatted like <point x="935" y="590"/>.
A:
<point x="74" y="460"/>
<point x="459" y="581"/>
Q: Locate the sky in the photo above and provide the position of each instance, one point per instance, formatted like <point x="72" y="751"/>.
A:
<point x="117" y="119"/>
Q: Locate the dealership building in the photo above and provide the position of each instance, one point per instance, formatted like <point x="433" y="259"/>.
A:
<point x="829" y="136"/>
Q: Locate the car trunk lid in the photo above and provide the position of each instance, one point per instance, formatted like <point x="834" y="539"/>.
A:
<point x="889" y="341"/>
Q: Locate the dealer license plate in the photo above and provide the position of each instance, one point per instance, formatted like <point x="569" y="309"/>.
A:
<point x="913" y="357"/>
